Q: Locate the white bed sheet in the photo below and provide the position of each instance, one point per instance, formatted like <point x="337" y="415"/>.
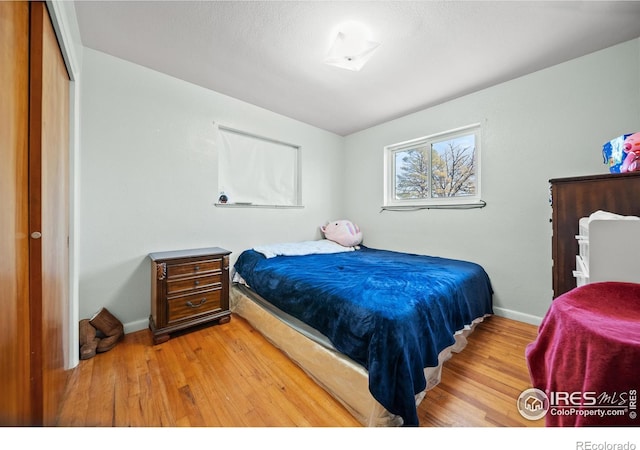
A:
<point x="318" y="247"/>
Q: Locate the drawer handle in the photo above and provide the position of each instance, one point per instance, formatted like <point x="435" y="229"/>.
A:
<point x="196" y="268"/>
<point x="196" y="283"/>
<point x="191" y="305"/>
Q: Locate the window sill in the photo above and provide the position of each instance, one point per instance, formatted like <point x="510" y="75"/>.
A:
<point x="469" y="205"/>
<point x="254" y="205"/>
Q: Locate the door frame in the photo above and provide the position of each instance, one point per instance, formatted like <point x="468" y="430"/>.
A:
<point x="65" y="26"/>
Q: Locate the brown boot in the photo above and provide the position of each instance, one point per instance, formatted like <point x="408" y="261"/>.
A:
<point x="88" y="340"/>
<point x="112" y="328"/>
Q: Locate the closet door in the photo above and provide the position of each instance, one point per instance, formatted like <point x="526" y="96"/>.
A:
<point x="14" y="219"/>
<point x="48" y="217"/>
<point x="34" y="274"/>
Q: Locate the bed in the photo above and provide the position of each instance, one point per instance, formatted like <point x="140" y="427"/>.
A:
<point x="586" y="355"/>
<point x="373" y="327"/>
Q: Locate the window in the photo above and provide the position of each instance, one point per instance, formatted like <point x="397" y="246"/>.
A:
<point x="440" y="170"/>
<point x="257" y="171"/>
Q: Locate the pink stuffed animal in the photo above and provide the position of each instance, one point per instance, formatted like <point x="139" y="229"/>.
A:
<point x="632" y="148"/>
<point x="343" y="232"/>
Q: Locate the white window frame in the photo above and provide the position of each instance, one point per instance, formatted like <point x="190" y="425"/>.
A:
<point x="469" y="201"/>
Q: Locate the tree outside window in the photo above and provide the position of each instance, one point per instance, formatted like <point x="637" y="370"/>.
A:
<point x="441" y="169"/>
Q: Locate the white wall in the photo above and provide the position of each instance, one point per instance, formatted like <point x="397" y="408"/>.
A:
<point x="149" y="180"/>
<point x="546" y="125"/>
<point x="148" y="175"/>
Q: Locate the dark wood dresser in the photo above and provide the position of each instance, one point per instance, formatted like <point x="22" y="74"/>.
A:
<point x="188" y="288"/>
<point x="577" y="197"/>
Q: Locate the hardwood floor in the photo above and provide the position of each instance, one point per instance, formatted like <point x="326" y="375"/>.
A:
<point x="480" y="385"/>
<point x="230" y="376"/>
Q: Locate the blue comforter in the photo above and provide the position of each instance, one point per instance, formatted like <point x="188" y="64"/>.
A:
<point x="391" y="312"/>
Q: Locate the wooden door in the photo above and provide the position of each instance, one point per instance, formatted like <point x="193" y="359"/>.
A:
<point x="14" y="218"/>
<point x="48" y="216"/>
<point x="34" y="174"/>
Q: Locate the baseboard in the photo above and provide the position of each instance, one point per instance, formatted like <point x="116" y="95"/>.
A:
<point x="142" y="324"/>
<point x="515" y="315"/>
<point x="137" y="325"/>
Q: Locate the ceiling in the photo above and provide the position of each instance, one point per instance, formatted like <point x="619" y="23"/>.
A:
<point x="270" y="53"/>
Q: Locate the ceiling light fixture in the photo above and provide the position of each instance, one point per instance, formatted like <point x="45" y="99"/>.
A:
<point x="352" y="47"/>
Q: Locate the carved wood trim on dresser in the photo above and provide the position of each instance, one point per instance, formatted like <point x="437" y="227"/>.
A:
<point x="188" y="288"/>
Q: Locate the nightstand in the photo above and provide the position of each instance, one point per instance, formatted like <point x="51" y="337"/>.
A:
<point x="188" y="288"/>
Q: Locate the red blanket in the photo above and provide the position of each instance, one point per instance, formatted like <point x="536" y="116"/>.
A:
<point x="586" y="357"/>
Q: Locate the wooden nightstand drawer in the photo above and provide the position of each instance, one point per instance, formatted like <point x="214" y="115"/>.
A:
<point x="193" y="305"/>
<point x="189" y="288"/>
<point x="193" y="268"/>
<point x="186" y="285"/>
